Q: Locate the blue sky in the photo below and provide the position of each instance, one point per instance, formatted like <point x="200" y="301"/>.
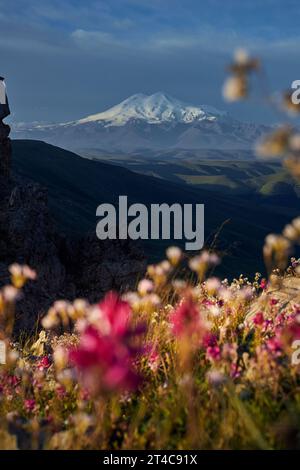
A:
<point x="66" y="59"/>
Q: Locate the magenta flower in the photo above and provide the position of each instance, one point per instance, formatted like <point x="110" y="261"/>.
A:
<point x="274" y="345"/>
<point x="213" y="353"/>
<point x="234" y="371"/>
<point x="268" y="325"/>
<point x="263" y="283"/>
<point x="186" y="319"/>
<point x="13" y="380"/>
<point x="61" y="392"/>
<point x="105" y="359"/>
<point x="117" y="312"/>
<point x="44" y="363"/>
<point x="258" y="319"/>
<point x="209" y="339"/>
<point x="29" y="405"/>
<point x="153" y="358"/>
<point x="280" y="320"/>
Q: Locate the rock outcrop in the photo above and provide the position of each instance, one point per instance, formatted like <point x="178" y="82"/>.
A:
<point x="66" y="268"/>
<point x="5" y="150"/>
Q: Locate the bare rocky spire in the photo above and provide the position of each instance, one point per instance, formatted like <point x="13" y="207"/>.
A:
<point x="5" y="142"/>
<point x="5" y="150"/>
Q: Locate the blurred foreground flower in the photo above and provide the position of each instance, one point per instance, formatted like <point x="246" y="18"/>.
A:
<point x="288" y="103"/>
<point x="174" y="255"/>
<point x="237" y="85"/>
<point x="106" y="353"/>
<point x="21" y="274"/>
<point x="274" y="144"/>
<point x="186" y="320"/>
<point x="292" y="230"/>
<point x="276" y="251"/>
<point x="283" y="143"/>
<point x="201" y="263"/>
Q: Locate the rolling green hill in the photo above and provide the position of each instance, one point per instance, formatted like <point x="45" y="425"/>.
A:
<point x="238" y="176"/>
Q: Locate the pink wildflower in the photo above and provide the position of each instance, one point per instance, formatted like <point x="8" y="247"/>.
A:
<point x="263" y="283"/>
<point x="154" y="360"/>
<point x="117" y="312"/>
<point x="280" y="319"/>
<point x="13" y="380"/>
<point x="258" y="319"/>
<point x="234" y="371"/>
<point x="29" y="404"/>
<point x="268" y="325"/>
<point x="213" y="353"/>
<point x="61" y="391"/>
<point x="186" y="319"/>
<point x="105" y="358"/>
<point x="209" y="339"/>
<point x="274" y="345"/>
<point x="43" y="363"/>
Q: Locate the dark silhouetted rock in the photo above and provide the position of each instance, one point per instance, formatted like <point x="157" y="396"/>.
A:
<point x="66" y="268"/>
<point x="5" y="150"/>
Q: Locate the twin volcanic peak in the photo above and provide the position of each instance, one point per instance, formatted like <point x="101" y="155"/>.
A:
<point x="147" y="122"/>
<point x="153" y="109"/>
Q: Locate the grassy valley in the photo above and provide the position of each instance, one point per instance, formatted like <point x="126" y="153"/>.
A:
<point x="217" y="171"/>
<point x="76" y="186"/>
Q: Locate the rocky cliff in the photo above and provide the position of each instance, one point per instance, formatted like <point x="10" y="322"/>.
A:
<point x="67" y="268"/>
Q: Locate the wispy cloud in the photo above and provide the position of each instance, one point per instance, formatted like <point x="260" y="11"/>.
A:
<point x="206" y="38"/>
<point x="94" y="39"/>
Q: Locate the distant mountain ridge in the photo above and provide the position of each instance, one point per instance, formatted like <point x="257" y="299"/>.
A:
<point x="150" y="122"/>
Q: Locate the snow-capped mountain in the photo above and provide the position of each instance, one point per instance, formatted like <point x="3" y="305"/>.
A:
<point x="147" y="122"/>
<point x="158" y="108"/>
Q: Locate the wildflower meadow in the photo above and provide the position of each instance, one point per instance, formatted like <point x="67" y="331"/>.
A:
<point x="186" y="361"/>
